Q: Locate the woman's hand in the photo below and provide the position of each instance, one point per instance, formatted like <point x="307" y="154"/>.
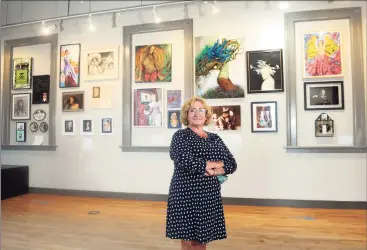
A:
<point x="214" y="168"/>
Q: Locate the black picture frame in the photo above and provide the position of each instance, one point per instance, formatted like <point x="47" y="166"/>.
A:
<point x="330" y="101"/>
<point x="26" y="108"/>
<point x="21" y="132"/>
<point x="273" y="117"/>
<point x="255" y="80"/>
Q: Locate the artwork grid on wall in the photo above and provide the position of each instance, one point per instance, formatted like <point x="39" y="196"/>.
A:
<point x="265" y="71"/>
<point x="101" y="63"/>
<point x="86" y="126"/>
<point x="174" y="119"/>
<point x="147" y="107"/>
<point x="323" y="95"/>
<point x="21" y="106"/>
<point x="264" y="117"/>
<point x="21" y="132"/>
<point x="68" y="126"/>
<point x="22" y="73"/>
<point x="225" y="117"/>
<point x="324" y="126"/>
<point x="73" y="101"/>
<point x="322" y="54"/>
<point x="215" y="59"/>
<point x="107" y="125"/>
<point x="69" y="65"/>
<point x="153" y="63"/>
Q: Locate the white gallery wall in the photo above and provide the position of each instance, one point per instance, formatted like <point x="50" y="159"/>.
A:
<point x="265" y="169"/>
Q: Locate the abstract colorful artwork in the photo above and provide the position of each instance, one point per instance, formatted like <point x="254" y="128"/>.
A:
<point x="219" y="67"/>
<point x="148" y="107"/>
<point x="69" y="66"/>
<point x="153" y="63"/>
<point x="174" y="119"/>
<point x="264" y="117"/>
<point x="173" y="99"/>
<point x="225" y="118"/>
<point x="22" y="73"/>
<point x="322" y="56"/>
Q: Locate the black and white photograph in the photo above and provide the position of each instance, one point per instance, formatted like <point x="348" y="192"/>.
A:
<point x="68" y="126"/>
<point x="106" y="128"/>
<point x="265" y="71"/>
<point x="102" y="64"/>
<point x="324" y="126"/>
<point x="323" y="95"/>
<point x="86" y="126"/>
<point x="21" y="132"/>
<point x="21" y="106"/>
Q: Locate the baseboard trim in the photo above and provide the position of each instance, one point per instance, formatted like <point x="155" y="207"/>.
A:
<point x="355" y="205"/>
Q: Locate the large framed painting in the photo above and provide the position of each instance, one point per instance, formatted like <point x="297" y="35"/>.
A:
<point x="21" y="106"/>
<point x="225" y="118"/>
<point x="73" y="101"/>
<point x="264" y="117"/>
<point x="69" y="66"/>
<point x="153" y="63"/>
<point x="219" y="63"/>
<point x="148" y="111"/>
<point x="323" y="95"/>
<point x="102" y="64"/>
<point x="322" y="54"/>
<point x="265" y="71"/>
<point x="22" y="73"/>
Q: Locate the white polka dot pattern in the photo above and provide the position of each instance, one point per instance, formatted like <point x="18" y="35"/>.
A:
<point x="195" y="209"/>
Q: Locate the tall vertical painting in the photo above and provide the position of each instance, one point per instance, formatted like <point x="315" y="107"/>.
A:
<point x="69" y="66"/>
<point x="22" y="73"/>
<point x="153" y="63"/>
<point x="219" y="64"/>
<point x="322" y="54"/>
<point x="148" y="110"/>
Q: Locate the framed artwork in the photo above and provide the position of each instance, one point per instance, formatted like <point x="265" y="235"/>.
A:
<point x="265" y="71"/>
<point x="264" y="117"/>
<point x="68" y="126"/>
<point x="43" y="127"/>
<point x="41" y="89"/>
<point x="33" y="127"/>
<point x="96" y="92"/>
<point x="322" y="54"/>
<point x="21" y="106"/>
<point x="39" y="115"/>
<point x="148" y="111"/>
<point x="102" y="64"/>
<point x="219" y="67"/>
<point x="22" y="73"/>
<point x="69" y="66"/>
<point x="324" y="126"/>
<point x="73" y="101"/>
<point x="106" y="125"/>
<point x="323" y="95"/>
<point x="174" y="99"/>
<point x="21" y="132"/>
<point x="225" y="118"/>
<point x="174" y="119"/>
<point x="153" y="63"/>
<point x="86" y="126"/>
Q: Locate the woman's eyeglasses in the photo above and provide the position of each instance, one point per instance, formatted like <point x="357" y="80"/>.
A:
<point x="192" y="111"/>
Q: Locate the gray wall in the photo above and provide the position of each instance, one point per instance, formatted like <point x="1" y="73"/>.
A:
<point x="13" y="12"/>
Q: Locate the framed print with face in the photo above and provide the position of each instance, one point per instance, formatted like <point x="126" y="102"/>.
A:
<point x="101" y="64"/>
<point x="147" y="109"/>
<point x="265" y="71"/>
<point x="264" y="117"/>
<point x="106" y="125"/>
<point x="22" y="73"/>
<point x="21" y="132"/>
<point x="174" y="119"/>
<point x="73" y="101"/>
<point x="226" y="117"/>
<point x="69" y="66"/>
<point x="68" y="126"/>
<point x="86" y="126"/>
<point x="323" y="95"/>
<point x="21" y="106"/>
<point x="324" y="126"/>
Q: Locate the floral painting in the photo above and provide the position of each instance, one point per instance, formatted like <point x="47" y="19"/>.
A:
<point x="69" y="66"/>
<point x="219" y="63"/>
<point x="322" y="55"/>
<point x="153" y="63"/>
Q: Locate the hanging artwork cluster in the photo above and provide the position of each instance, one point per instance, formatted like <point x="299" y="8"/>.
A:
<point x="28" y="91"/>
<point x="322" y="60"/>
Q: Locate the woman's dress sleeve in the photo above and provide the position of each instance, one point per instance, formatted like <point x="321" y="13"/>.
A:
<point x="230" y="164"/>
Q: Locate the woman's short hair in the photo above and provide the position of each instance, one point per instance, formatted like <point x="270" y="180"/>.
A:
<point x="187" y="105"/>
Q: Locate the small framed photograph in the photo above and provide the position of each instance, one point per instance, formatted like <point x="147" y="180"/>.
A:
<point x="86" y="126"/>
<point x="265" y="71"/>
<point x="174" y="119"/>
<point x="264" y="117"/>
<point x="96" y="92"/>
<point x="324" y="95"/>
<point x="21" y="132"/>
<point x="324" y="126"/>
<point x="106" y="125"/>
<point x="22" y="73"/>
<point x="73" y="101"/>
<point x="21" y="106"/>
<point x="68" y="125"/>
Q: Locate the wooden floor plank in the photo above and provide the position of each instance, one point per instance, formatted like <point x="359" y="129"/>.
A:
<point x="47" y="222"/>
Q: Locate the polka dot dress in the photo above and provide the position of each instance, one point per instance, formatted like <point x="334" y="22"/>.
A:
<point x="195" y="210"/>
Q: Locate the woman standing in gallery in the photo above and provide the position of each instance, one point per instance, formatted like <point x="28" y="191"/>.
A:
<point x="201" y="160"/>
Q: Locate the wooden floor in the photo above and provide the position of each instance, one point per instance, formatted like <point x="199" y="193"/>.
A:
<point x="45" y="222"/>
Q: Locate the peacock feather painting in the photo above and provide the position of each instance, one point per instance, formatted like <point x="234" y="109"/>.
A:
<point x="219" y="64"/>
<point x="322" y="54"/>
